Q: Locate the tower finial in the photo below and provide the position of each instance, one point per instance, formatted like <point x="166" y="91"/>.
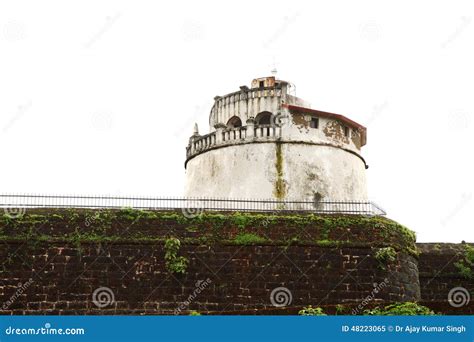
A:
<point x="196" y="129"/>
<point x="274" y="70"/>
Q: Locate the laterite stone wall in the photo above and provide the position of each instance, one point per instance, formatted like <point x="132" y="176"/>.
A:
<point x="117" y="262"/>
<point x="439" y="276"/>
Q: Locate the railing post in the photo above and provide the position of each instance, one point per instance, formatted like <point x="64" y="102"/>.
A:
<point x="219" y="130"/>
<point x="250" y="132"/>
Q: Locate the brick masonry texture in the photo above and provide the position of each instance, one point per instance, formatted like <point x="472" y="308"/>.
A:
<point x="53" y="261"/>
<point x="439" y="275"/>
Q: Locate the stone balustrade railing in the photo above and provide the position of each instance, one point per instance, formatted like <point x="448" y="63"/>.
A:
<point x="228" y="136"/>
<point x="248" y="94"/>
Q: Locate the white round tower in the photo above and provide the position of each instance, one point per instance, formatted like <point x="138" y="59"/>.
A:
<point x="266" y="143"/>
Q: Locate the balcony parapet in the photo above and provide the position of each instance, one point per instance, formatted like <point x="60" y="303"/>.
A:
<point x="228" y="136"/>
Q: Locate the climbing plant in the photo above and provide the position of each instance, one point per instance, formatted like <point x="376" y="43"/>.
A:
<point x="174" y="263"/>
<point x="465" y="266"/>
<point x="385" y="256"/>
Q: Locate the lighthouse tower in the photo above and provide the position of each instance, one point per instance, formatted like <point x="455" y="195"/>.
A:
<point x="265" y="143"/>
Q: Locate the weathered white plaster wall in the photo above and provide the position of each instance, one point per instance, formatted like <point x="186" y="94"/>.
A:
<point x="287" y="159"/>
<point x="240" y="171"/>
<point x="332" y="172"/>
<point x="251" y="171"/>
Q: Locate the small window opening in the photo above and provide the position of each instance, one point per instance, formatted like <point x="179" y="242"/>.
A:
<point x="263" y="118"/>
<point x="234" y="122"/>
<point x="346" y="131"/>
<point x="314" y="123"/>
<point x="261" y="84"/>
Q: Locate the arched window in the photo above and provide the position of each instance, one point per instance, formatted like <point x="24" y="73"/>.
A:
<point x="263" y="118"/>
<point x="234" y="122"/>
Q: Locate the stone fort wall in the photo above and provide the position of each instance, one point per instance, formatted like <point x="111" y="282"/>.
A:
<point x="128" y="262"/>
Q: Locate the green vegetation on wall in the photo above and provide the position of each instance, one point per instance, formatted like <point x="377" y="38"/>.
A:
<point x="310" y="311"/>
<point x="385" y="256"/>
<point x="465" y="266"/>
<point x="400" y="309"/>
<point x="80" y="226"/>
<point x="174" y="263"/>
<point x="249" y="239"/>
<point x="396" y="309"/>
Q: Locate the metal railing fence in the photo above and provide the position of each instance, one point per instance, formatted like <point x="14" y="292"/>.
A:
<point x="197" y="204"/>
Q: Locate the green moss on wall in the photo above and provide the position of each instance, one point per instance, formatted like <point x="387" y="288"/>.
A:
<point x="140" y="226"/>
<point x="248" y="239"/>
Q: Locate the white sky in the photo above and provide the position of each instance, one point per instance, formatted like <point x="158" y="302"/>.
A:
<point x="99" y="97"/>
